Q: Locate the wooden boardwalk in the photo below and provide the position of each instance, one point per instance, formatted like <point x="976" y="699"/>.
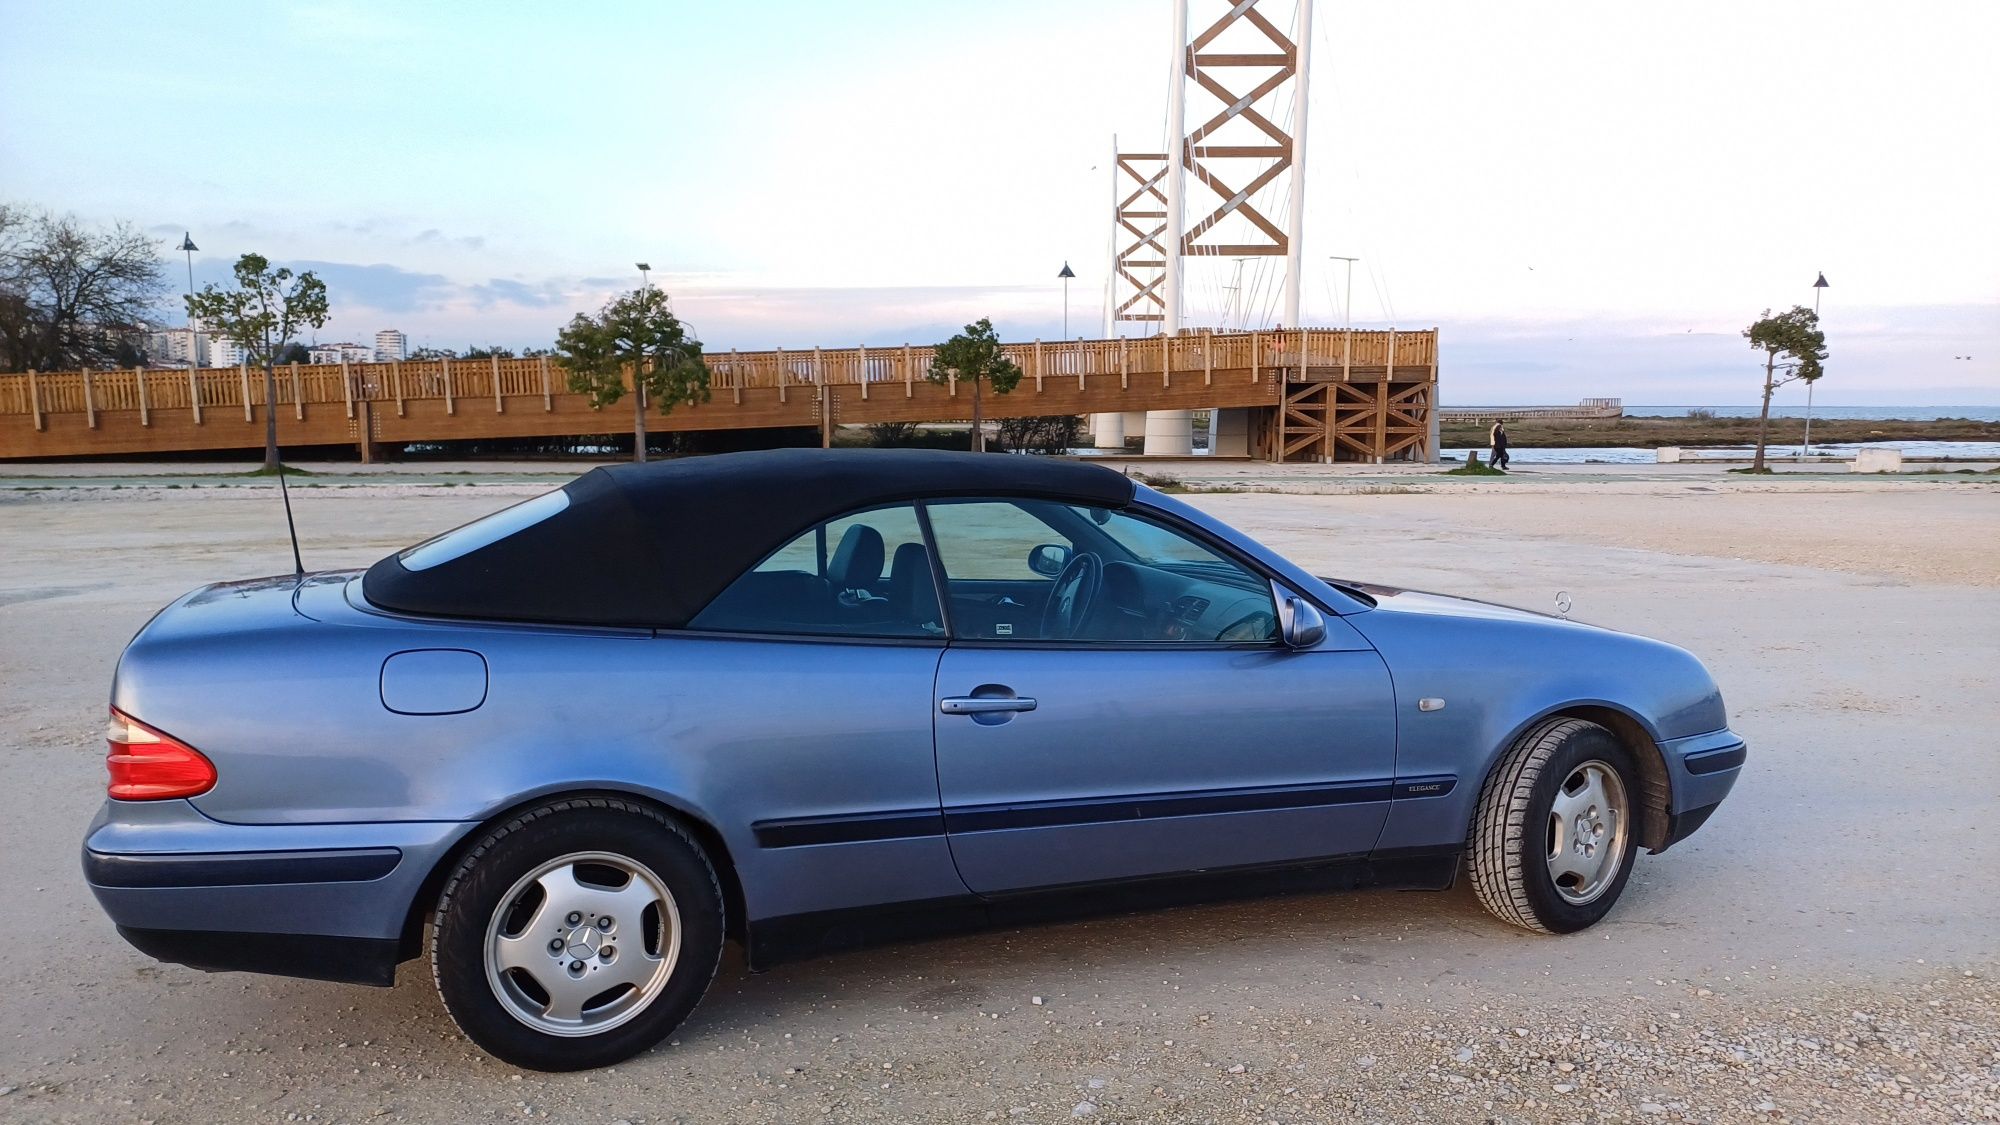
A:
<point x="1316" y="394"/>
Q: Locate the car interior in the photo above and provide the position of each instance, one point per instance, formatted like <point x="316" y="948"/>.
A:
<point x="1082" y="584"/>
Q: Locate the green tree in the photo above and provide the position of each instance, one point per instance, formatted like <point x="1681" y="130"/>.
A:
<point x="1795" y="335"/>
<point x="974" y="356"/>
<point x="637" y="331"/>
<point x="262" y="313"/>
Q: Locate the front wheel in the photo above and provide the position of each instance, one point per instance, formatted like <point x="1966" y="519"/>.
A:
<point x="577" y="934"/>
<point x="1556" y="829"/>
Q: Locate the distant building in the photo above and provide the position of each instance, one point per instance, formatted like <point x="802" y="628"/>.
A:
<point x="224" y="352"/>
<point x="390" y="345"/>
<point x="336" y="353"/>
<point x="178" y="347"/>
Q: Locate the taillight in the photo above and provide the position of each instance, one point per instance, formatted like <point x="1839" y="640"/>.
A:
<point x="147" y="765"/>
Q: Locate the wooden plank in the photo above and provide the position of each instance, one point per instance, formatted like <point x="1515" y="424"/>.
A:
<point x="1038" y="365"/>
<point x="145" y="409"/>
<point x="1256" y="355"/>
<point x="1382" y="419"/>
<point x="784" y="376"/>
<point x="396" y="381"/>
<point x="1124" y="366"/>
<point x="1166" y="359"/>
<point x="498" y="406"/>
<point x="862" y="353"/>
<point x="735" y="378"/>
<point x="909" y="373"/>
<point x="298" y="399"/>
<point x="450" y="402"/>
<point x="1392" y="357"/>
<point x="89" y="400"/>
<point x="194" y="393"/>
<point x="1207" y="358"/>
<point x="548" y="396"/>
<point x="243" y="370"/>
<point x="35" y="398"/>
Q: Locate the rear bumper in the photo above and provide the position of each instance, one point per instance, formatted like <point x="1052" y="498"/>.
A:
<point x="349" y="960"/>
<point x="1702" y="770"/>
<point x="329" y="902"/>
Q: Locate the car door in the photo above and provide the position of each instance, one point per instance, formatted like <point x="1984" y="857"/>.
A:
<point x="802" y="703"/>
<point x="1170" y="731"/>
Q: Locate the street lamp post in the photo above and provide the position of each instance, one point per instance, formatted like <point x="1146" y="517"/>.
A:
<point x="1805" y="450"/>
<point x="1066" y="275"/>
<point x="638" y="383"/>
<point x="1346" y="316"/>
<point x="194" y="339"/>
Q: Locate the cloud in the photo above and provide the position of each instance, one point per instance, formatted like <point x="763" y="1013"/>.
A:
<point x="435" y="237"/>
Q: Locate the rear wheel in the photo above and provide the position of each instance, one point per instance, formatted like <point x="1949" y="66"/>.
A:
<point x="1555" y="833"/>
<point x="577" y="934"/>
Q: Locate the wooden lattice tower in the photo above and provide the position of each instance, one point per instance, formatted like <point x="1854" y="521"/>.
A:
<point x="1235" y="150"/>
<point x="1139" y="225"/>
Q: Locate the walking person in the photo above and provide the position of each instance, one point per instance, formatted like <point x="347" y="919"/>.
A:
<point x="1499" y="442"/>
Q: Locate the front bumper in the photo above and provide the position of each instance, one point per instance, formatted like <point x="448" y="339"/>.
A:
<point x="329" y="901"/>
<point x="1701" y="770"/>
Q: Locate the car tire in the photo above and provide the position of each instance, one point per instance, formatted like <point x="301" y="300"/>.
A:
<point x="1556" y="869"/>
<point x="577" y="934"/>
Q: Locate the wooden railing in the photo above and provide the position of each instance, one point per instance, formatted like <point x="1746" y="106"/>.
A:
<point x="493" y="381"/>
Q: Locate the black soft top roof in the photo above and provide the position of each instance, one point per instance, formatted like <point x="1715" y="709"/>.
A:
<point x="650" y="545"/>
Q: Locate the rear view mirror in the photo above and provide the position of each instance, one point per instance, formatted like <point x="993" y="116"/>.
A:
<point x="1303" y="625"/>
<point x="1048" y="559"/>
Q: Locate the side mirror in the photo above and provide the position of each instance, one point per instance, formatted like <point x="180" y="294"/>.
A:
<point x="1048" y="559"/>
<point x="1303" y="625"/>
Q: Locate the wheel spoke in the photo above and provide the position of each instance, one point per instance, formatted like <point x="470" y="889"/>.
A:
<point x="528" y="953"/>
<point x="1592" y="795"/>
<point x="1569" y="806"/>
<point x="566" y="996"/>
<point x="1568" y="862"/>
<point x="634" y="966"/>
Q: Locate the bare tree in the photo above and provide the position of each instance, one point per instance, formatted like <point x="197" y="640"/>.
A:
<point x="73" y="295"/>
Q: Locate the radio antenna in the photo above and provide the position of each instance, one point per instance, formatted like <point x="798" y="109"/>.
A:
<point x="291" y="527"/>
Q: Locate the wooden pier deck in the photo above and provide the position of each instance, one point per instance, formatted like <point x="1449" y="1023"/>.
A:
<point x="1313" y="394"/>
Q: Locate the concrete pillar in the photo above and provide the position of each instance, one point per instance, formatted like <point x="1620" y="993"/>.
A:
<point x="1169" y="433"/>
<point x="1135" y="424"/>
<point x="1229" y="432"/>
<point x="1107" y="431"/>
<point x="1437" y="453"/>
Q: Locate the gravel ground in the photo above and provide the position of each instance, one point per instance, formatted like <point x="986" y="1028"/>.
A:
<point x="1825" y="948"/>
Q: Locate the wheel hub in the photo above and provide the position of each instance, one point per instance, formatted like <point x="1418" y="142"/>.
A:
<point x="582" y="943"/>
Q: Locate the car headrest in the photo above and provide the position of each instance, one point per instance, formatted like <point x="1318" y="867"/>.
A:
<point x="857" y="562"/>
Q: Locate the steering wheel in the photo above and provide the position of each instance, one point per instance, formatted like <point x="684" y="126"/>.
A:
<point x="1072" y="596"/>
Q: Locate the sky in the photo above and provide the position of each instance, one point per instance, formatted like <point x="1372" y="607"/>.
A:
<point x="1585" y="199"/>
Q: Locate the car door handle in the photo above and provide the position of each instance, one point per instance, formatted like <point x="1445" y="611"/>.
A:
<point x="982" y="705"/>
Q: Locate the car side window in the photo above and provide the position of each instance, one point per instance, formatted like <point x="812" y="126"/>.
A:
<point x="867" y="574"/>
<point x="1034" y="570"/>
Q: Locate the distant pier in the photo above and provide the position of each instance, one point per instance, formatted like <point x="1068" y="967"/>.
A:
<point x="1588" y="408"/>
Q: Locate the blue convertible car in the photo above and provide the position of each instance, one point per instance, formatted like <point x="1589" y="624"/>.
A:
<point x="811" y="698"/>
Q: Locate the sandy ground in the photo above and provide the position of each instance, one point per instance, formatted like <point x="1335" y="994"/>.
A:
<point x="1824" y="950"/>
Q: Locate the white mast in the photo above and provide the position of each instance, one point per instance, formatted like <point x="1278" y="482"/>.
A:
<point x="1176" y="169"/>
<point x="1295" y="225"/>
